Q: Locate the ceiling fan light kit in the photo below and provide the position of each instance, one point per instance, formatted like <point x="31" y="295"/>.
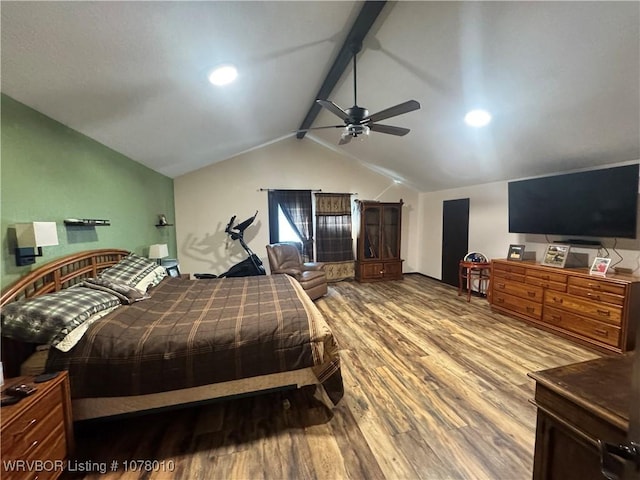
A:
<point x="357" y="120"/>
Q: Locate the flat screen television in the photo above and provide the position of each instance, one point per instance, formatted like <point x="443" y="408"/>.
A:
<point x="596" y="203"/>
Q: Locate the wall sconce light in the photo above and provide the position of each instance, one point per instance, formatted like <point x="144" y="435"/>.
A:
<point x="31" y="236"/>
<point x="158" y="251"/>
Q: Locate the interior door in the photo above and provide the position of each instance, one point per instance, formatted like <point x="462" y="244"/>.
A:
<point x="455" y="237"/>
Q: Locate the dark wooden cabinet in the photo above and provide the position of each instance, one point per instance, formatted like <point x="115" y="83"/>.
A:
<point x="378" y="226"/>
<point x="601" y="312"/>
<point x="578" y="405"/>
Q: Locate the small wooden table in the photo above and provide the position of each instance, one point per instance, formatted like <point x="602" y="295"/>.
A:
<point x="470" y="270"/>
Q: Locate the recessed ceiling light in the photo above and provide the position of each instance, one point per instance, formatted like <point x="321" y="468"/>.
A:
<point x="477" y="118"/>
<point x="223" y="75"/>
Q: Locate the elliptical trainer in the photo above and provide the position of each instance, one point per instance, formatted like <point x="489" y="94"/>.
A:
<point x="248" y="267"/>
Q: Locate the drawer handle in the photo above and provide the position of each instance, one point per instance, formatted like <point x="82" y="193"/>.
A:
<point x="499" y="300"/>
<point x="33" y="445"/>
<point x="557" y="300"/>
<point x="604" y="313"/>
<point x="595" y="296"/>
<point x="545" y="277"/>
<point x="500" y="285"/>
<point x="531" y="309"/>
<point x="557" y="318"/>
<point x="602" y="332"/>
<point x="531" y="294"/>
<point x="27" y="427"/>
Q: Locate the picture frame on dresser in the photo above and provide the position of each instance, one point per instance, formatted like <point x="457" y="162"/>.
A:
<point x="173" y="271"/>
<point x="556" y="255"/>
<point x="600" y="266"/>
<point x="516" y="252"/>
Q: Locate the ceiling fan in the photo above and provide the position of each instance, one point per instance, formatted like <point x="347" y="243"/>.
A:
<point x="357" y="120"/>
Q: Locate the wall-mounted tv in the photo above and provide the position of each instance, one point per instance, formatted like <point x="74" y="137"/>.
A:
<point x="596" y="203"/>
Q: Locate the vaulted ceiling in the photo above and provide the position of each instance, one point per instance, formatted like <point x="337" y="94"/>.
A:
<point x="561" y="79"/>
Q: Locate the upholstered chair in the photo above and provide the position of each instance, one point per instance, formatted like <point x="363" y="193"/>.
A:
<point x="285" y="258"/>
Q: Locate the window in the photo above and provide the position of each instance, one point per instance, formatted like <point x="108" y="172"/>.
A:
<point x="295" y="206"/>
<point x="286" y="233"/>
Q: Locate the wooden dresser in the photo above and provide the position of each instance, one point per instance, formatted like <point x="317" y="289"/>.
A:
<point x="578" y="405"/>
<point x="602" y="312"/>
<point x="37" y="428"/>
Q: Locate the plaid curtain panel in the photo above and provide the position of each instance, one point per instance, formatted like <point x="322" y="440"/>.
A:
<point x="333" y="227"/>
<point x="296" y="206"/>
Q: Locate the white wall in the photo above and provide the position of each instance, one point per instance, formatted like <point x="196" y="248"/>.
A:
<point x="489" y="230"/>
<point x="207" y="198"/>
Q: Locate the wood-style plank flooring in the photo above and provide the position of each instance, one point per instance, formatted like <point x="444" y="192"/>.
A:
<point x="436" y="388"/>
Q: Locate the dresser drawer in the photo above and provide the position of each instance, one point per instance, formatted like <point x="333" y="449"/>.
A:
<point x="52" y="448"/>
<point x="597" y="295"/>
<point x="546" y="276"/>
<point x="517" y="304"/>
<point x="529" y="292"/>
<point x="603" y="312"/>
<point x="25" y="435"/>
<point x="501" y="268"/>
<point x="513" y="277"/>
<point x="600" y="331"/>
<point x="550" y="284"/>
<point x="598" y="285"/>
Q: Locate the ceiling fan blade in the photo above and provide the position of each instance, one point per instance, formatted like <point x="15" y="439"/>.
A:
<point x="391" y="130"/>
<point x="335" y="109"/>
<point x="319" y="128"/>
<point x="345" y="139"/>
<point x="406" y="107"/>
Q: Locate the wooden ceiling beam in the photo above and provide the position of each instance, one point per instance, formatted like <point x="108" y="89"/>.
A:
<point x="367" y="16"/>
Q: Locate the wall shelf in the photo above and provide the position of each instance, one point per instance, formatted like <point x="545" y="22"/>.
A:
<point x="164" y="225"/>
<point x="87" y="222"/>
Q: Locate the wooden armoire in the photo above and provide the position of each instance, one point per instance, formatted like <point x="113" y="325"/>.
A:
<point x="378" y="226"/>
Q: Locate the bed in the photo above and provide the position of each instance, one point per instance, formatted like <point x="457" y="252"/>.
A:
<point x="173" y="341"/>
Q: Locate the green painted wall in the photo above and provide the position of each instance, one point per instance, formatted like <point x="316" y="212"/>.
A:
<point x="50" y="172"/>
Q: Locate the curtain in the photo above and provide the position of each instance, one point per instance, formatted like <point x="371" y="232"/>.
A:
<point x="296" y="207"/>
<point x="333" y="229"/>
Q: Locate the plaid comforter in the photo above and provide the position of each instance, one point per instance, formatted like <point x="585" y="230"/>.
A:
<point x="198" y="332"/>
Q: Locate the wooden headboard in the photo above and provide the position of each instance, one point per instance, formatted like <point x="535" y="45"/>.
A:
<point x="51" y="277"/>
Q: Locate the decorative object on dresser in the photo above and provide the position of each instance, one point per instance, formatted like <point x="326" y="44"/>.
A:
<point x="32" y="236"/>
<point x="38" y="427"/>
<point x="600" y="266"/>
<point x="556" y="255"/>
<point x="516" y="252"/>
<point x="579" y="406"/>
<point x="597" y="311"/>
<point x="378" y="246"/>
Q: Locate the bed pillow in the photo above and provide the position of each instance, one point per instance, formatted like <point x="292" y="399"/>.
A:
<point x="125" y="293"/>
<point x="48" y="319"/>
<point x="135" y="271"/>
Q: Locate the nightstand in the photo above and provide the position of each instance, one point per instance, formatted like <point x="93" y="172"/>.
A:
<point x="38" y="430"/>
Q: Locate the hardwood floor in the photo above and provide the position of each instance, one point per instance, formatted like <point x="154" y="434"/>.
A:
<point x="436" y="388"/>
